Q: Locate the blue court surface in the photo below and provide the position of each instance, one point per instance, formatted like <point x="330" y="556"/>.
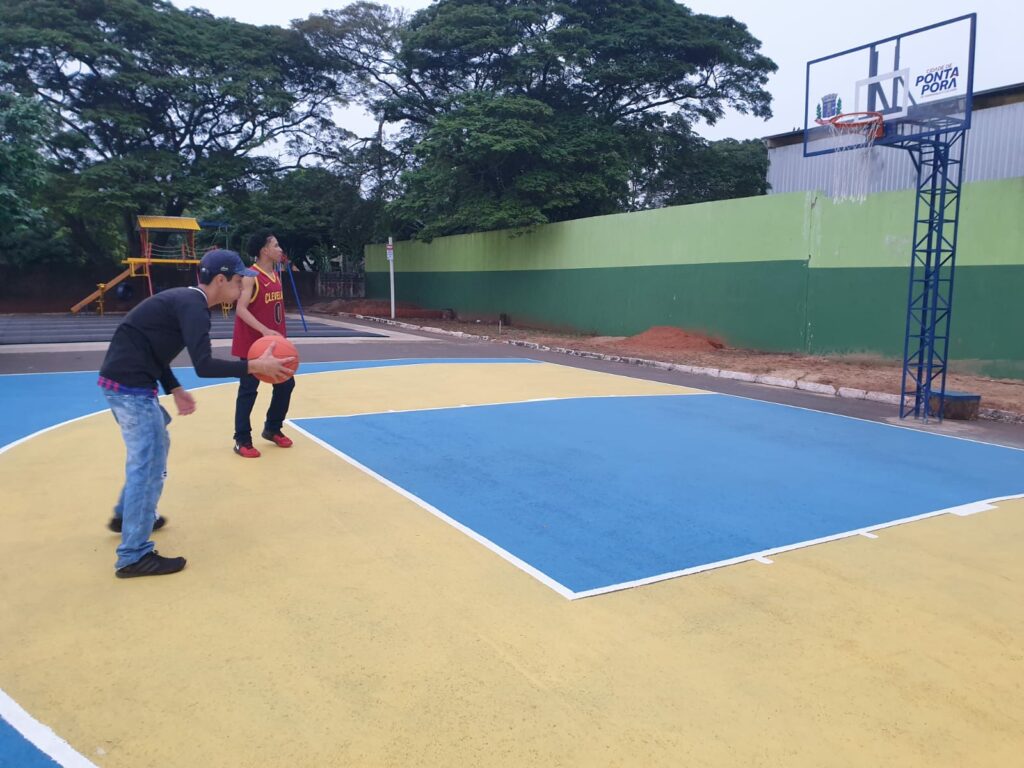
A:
<point x="18" y="752"/>
<point x="596" y="494"/>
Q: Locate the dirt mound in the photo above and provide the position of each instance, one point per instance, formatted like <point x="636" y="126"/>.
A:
<point x="668" y="338"/>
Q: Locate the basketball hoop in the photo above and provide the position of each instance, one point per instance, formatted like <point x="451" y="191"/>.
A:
<point x="852" y="138"/>
<point x="870" y="125"/>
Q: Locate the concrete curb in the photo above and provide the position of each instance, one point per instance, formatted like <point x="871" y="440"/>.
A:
<point x="851" y="393"/>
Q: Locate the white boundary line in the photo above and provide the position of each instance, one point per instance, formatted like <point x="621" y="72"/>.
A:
<point x="44" y="430"/>
<point x="20" y="440"/>
<point x="44" y="739"/>
<point x="828" y="390"/>
<point x="762" y="556"/>
<point x="906" y="427"/>
<point x="503" y="402"/>
<point x="504" y="554"/>
<point x="419" y="361"/>
<point x="98" y="346"/>
<point x="40" y="736"/>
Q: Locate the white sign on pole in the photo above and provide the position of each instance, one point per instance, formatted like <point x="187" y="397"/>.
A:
<point x="391" y="270"/>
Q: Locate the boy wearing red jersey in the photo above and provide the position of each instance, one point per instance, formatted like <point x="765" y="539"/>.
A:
<point x="260" y="312"/>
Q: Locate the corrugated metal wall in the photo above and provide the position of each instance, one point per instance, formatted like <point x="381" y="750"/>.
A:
<point x="995" y="150"/>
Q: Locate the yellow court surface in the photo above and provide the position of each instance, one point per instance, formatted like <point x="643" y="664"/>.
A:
<point x="325" y="619"/>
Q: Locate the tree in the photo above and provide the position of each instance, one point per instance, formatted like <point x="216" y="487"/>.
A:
<point x="313" y="211"/>
<point x="671" y="165"/>
<point x="156" y="107"/>
<point x="581" y="81"/>
<point x="22" y="167"/>
<point x="502" y="162"/>
<point x="25" y="228"/>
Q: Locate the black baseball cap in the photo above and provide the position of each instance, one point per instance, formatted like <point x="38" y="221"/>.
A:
<point x="222" y="262"/>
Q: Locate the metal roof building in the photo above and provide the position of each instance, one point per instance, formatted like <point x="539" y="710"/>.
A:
<point x="995" y="150"/>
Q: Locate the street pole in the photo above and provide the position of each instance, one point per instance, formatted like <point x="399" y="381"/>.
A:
<point x="391" y="269"/>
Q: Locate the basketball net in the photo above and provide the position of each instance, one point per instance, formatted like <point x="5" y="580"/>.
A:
<point x="854" y="163"/>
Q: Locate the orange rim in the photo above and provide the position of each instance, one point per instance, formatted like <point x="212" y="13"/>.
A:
<point x="871" y="123"/>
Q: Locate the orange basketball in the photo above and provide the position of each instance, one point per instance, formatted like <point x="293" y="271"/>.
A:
<point x="282" y="348"/>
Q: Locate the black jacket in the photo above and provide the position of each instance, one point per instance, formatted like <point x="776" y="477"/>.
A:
<point x="155" y="332"/>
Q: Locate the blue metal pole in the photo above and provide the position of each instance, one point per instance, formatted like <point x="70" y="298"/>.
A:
<point x="287" y="266"/>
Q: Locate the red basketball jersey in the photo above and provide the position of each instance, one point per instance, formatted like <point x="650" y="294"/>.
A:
<point x="266" y="305"/>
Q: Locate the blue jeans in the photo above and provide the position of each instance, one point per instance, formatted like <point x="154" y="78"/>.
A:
<point x="143" y="422"/>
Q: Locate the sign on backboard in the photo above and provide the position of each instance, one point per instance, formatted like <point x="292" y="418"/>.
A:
<point x="920" y="82"/>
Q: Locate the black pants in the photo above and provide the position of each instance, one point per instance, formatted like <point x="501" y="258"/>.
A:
<point x="246" y="399"/>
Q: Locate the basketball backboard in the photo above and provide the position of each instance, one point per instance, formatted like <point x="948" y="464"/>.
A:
<point x="921" y="82"/>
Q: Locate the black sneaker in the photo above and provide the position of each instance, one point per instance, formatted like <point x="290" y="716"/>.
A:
<point x="152" y="564"/>
<point x="115" y="523"/>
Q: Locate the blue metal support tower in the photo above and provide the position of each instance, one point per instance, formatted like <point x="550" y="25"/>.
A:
<point x="939" y="160"/>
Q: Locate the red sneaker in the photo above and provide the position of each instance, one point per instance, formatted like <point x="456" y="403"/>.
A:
<point x="246" y="451"/>
<point x="277" y="439"/>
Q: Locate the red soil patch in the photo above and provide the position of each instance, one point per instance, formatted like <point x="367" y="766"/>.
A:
<point x="665" y="337"/>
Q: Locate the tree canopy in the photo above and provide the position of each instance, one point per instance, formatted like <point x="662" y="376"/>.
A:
<point x="155" y="107"/>
<point x="523" y="112"/>
<point x="23" y="175"/>
<point x="491" y="114"/>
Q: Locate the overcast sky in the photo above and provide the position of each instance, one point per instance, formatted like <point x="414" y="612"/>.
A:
<point x="791" y="34"/>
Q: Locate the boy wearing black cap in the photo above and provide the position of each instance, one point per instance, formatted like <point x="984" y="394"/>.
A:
<point x="140" y="355"/>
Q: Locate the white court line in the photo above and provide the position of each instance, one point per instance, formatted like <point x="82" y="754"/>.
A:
<point x="908" y="427"/>
<point x="504" y="554"/>
<point x="26" y="438"/>
<point x="44" y="430"/>
<point x="693" y="391"/>
<point x="42" y="737"/>
<point x="762" y="556"/>
<point x="95" y="346"/>
<point x="496" y="404"/>
<point x="961" y="510"/>
<point x="419" y="361"/>
<point x="905" y="428"/>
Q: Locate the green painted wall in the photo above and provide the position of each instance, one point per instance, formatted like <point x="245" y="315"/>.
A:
<point x="863" y="310"/>
<point x="709" y="233"/>
<point x="716" y="298"/>
<point x="790" y="272"/>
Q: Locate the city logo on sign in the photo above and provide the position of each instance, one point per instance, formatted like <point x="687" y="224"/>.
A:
<point x="831" y="106"/>
<point x="937" y="80"/>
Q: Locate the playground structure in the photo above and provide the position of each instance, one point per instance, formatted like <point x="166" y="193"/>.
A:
<point x="181" y="254"/>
